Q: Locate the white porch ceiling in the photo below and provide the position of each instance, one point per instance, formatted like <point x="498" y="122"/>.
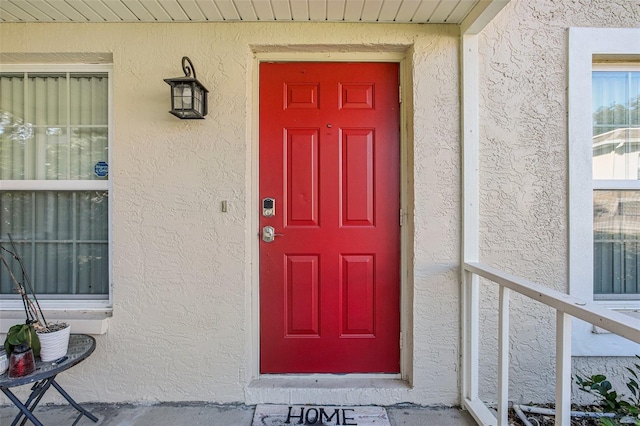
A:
<point x="398" y="11"/>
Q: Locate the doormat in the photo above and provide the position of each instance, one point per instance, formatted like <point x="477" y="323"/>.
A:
<point x="286" y="415"/>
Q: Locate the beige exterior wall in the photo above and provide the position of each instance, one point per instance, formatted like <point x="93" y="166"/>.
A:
<point x="524" y="169"/>
<point x="183" y="325"/>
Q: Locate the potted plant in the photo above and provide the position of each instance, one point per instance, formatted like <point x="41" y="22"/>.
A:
<point x="48" y="341"/>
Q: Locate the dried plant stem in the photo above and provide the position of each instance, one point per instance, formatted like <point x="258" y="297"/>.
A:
<point x="30" y="308"/>
<point x="27" y="281"/>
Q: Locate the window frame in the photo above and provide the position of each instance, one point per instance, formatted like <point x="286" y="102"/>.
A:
<point x="588" y="47"/>
<point x="70" y="302"/>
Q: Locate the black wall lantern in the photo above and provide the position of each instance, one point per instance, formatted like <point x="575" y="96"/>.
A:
<point x="188" y="95"/>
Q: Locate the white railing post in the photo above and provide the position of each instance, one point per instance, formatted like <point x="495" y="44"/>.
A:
<point x="471" y="351"/>
<point x="563" y="369"/>
<point x="470" y="219"/>
<point x="503" y="357"/>
<point x="471" y="331"/>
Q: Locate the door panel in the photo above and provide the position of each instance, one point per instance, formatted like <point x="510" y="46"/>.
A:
<point x="301" y="171"/>
<point x="303" y="296"/>
<point x="358" y="293"/>
<point x="356" y="177"/>
<point x="329" y="156"/>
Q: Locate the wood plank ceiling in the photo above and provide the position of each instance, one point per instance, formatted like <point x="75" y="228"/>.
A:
<point x="399" y="11"/>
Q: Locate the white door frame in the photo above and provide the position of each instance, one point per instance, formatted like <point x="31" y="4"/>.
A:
<point x="406" y="202"/>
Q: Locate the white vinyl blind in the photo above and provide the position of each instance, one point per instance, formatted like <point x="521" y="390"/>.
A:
<point x="54" y="132"/>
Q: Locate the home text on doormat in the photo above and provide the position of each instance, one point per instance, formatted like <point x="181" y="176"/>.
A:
<point x="286" y="415"/>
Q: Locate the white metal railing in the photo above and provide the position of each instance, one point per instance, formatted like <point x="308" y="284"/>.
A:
<point x="565" y="307"/>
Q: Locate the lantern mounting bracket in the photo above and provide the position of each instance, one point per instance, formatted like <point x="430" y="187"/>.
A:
<point x="188" y="68"/>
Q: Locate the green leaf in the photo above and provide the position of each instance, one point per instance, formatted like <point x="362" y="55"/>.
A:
<point x="34" y="342"/>
<point x="22" y="333"/>
<point x="17" y="334"/>
<point x="605" y="421"/>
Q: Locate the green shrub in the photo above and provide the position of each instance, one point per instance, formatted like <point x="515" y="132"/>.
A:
<point x="626" y="409"/>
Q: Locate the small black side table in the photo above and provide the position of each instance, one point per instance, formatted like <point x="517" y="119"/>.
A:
<point x="80" y="347"/>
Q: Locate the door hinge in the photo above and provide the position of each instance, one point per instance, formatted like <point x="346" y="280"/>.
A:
<point x="401" y="341"/>
<point x="399" y="94"/>
<point x="401" y="217"/>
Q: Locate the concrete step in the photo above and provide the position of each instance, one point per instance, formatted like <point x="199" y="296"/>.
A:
<point x="194" y="414"/>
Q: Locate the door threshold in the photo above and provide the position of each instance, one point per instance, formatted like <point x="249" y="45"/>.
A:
<point x="328" y="389"/>
<point x="330" y="381"/>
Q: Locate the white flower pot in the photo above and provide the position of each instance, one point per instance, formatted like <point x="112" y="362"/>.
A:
<point x="54" y="345"/>
<point x="4" y="361"/>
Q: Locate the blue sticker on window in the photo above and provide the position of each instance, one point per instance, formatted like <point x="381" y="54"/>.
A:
<point x="101" y="169"/>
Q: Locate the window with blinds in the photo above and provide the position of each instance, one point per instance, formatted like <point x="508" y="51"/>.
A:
<point x="616" y="175"/>
<point x="54" y="184"/>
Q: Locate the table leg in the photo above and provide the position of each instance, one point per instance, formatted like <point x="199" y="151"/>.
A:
<point x="73" y="403"/>
<point x="37" y="392"/>
<point x="23" y="409"/>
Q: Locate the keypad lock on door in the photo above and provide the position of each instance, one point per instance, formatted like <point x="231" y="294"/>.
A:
<point x="268" y="207"/>
<point x="269" y="234"/>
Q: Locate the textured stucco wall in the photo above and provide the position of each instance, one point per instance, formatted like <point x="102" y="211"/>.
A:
<point x="183" y="284"/>
<point x="524" y="217"/>
<point x="182" y="323"/>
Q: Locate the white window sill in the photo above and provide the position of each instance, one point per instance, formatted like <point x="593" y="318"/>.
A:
<point x="82" y="322"/>
<point x="591" y="340"/>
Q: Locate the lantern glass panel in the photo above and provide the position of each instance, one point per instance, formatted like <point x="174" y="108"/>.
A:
<point x="198" y="96"/>
<point x="182" y="96"/>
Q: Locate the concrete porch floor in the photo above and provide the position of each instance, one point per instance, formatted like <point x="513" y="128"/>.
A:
<point x="193" y="414"/>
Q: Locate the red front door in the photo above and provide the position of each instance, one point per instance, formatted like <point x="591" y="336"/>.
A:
<point x="329" y="184"/>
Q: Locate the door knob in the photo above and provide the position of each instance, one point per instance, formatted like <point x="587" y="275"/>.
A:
<point x="269" y="234"/>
